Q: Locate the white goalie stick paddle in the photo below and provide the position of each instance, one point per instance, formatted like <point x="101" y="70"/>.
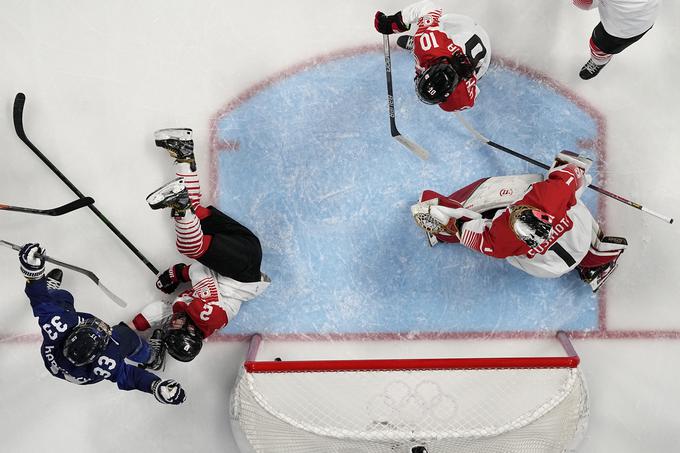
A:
<point x="89" y="274"/>
<point x="411" y="145"/>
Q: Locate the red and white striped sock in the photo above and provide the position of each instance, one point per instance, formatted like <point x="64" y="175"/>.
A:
<point x="597" y="55"/>
<point x="190" y="240"/>
<point x="183" y="170"/>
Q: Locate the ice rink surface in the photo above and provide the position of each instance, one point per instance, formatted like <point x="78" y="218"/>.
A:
<point x="287" y="101"/>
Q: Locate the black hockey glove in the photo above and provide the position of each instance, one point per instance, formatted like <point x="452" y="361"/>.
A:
<point x="462" y="65"/>
<point x="169" y="280"/>
<point x="31" y="257"/>
<point x="389" y="24"/>
<point x="168" y="391"/>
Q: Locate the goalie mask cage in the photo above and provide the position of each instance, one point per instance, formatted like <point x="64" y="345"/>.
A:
<point x="437" y="405"/>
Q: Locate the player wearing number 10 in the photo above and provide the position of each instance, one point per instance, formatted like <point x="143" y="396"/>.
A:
<point x="452" y="53"/>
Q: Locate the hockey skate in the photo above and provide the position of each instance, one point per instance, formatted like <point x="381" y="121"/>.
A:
<point x="596" y="276"/>
<point x="54" y="278"/>
<point x="405" y="42"/>
<point x="157" y="361"/>
<point x="171" y="195"/>
<point x="591" y="69"/>
<point x="178" y="143"/>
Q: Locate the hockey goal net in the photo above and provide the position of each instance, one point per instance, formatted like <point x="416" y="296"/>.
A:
<point x="490" y="405"/>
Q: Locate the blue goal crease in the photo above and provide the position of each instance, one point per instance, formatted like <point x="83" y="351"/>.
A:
<point x="319" y="179"/>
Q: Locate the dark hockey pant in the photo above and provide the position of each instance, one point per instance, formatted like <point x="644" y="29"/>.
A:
<point x="611" y="44"/>
<point x="234" y="250"/>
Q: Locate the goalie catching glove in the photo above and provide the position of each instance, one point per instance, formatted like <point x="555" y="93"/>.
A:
<point x="439" y="219"/>
<point x="168" y="391"/>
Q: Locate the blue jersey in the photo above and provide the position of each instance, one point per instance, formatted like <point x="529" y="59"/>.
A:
<point x="57" y="318"/>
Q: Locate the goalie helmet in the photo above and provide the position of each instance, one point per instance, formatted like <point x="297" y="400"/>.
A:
<point x="183" y="339"/>
<point x="531" y="225"/>
<point x="437" y="82"/>
<point x="87" y="341"/>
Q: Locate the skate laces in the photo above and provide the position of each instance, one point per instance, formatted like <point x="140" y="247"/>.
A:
<point x="591" y="66"/>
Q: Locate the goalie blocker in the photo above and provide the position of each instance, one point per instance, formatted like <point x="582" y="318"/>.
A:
<point x="537" y="224"/>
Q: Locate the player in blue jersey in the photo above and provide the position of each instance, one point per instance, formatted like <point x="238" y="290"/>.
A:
<point x="81" y="348"/>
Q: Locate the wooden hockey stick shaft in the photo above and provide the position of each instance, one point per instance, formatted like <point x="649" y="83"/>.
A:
<point x="18" y="112"/>
<point x="89" y="274"/>
<point x="607" y="193"/>
<point x="411" y="145"/>
<point x="60" y="210"/>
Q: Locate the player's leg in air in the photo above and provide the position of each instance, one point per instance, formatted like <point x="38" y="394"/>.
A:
<point x="203" y="233"/>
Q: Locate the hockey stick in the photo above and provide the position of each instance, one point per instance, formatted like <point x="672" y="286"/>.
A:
<point x="19" y="102"/>
<point x="89" y="274"/>
<point x="412" y="146"/>
<point x="616" y="197"/>
<point x="68" y="207"/>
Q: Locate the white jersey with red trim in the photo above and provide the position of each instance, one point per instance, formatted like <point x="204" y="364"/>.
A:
<point x="572" y="230"/>
<point x="211" y="302"/>
<point x="624" y="18"/>
<point x="441" y="35"/>
<point x="212" y="296"/>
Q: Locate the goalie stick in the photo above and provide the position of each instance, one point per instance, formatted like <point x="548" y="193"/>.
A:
<point x="60" y="210"/>
<point x="412" y="146"/>
<point x="19" y="102"/>
<point x="616" y="197"/>
<point x="89" y="274"/>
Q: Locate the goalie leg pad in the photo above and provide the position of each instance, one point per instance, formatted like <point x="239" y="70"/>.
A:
<point x="601" y="260"/>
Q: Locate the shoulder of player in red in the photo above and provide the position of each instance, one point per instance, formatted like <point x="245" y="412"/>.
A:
<point x="207" y="316"/>
<point x="463" y="96"/>
<point x="557" y="193"/>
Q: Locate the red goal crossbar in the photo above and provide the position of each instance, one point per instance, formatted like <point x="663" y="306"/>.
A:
<point x="300" y="366"/>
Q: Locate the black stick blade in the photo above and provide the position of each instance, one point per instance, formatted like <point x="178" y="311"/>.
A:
<point x="18" y="113"/>
<point x="72" y="206"/>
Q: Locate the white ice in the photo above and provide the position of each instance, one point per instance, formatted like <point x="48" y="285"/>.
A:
<point x="100" y="76"/>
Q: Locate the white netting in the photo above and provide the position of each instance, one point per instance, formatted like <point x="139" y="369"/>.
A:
<point x="504" y="411"/>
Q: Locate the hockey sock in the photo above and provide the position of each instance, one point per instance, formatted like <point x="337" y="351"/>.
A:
<point x="598" y="55"/>
<point x="183" y="170"/>
<point x="190" y="240"/>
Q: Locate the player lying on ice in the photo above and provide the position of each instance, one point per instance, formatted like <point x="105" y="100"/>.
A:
<point x="228" y="257"/>
<point x="538" y="225"/>
<point x="452" y="53"/>
<point x="81" y="348"/>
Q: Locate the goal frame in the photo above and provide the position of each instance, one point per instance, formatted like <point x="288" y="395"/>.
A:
<point x="258" y="414"/>
<point x="252" y="365"/>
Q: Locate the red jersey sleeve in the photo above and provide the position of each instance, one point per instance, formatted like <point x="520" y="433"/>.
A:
<point x="557" y="193"/>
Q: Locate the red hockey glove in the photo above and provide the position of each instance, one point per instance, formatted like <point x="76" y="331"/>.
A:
<point x="169" y="280"/>
<point x="389" y="24"/>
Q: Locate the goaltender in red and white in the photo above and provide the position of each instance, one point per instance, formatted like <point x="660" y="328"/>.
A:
<point x="227" y="258"/>
<point x="451" y="51"/>
<point x="537" y="224"/>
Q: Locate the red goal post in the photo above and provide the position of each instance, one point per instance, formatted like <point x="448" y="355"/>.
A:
<point x="416" y="405"/>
